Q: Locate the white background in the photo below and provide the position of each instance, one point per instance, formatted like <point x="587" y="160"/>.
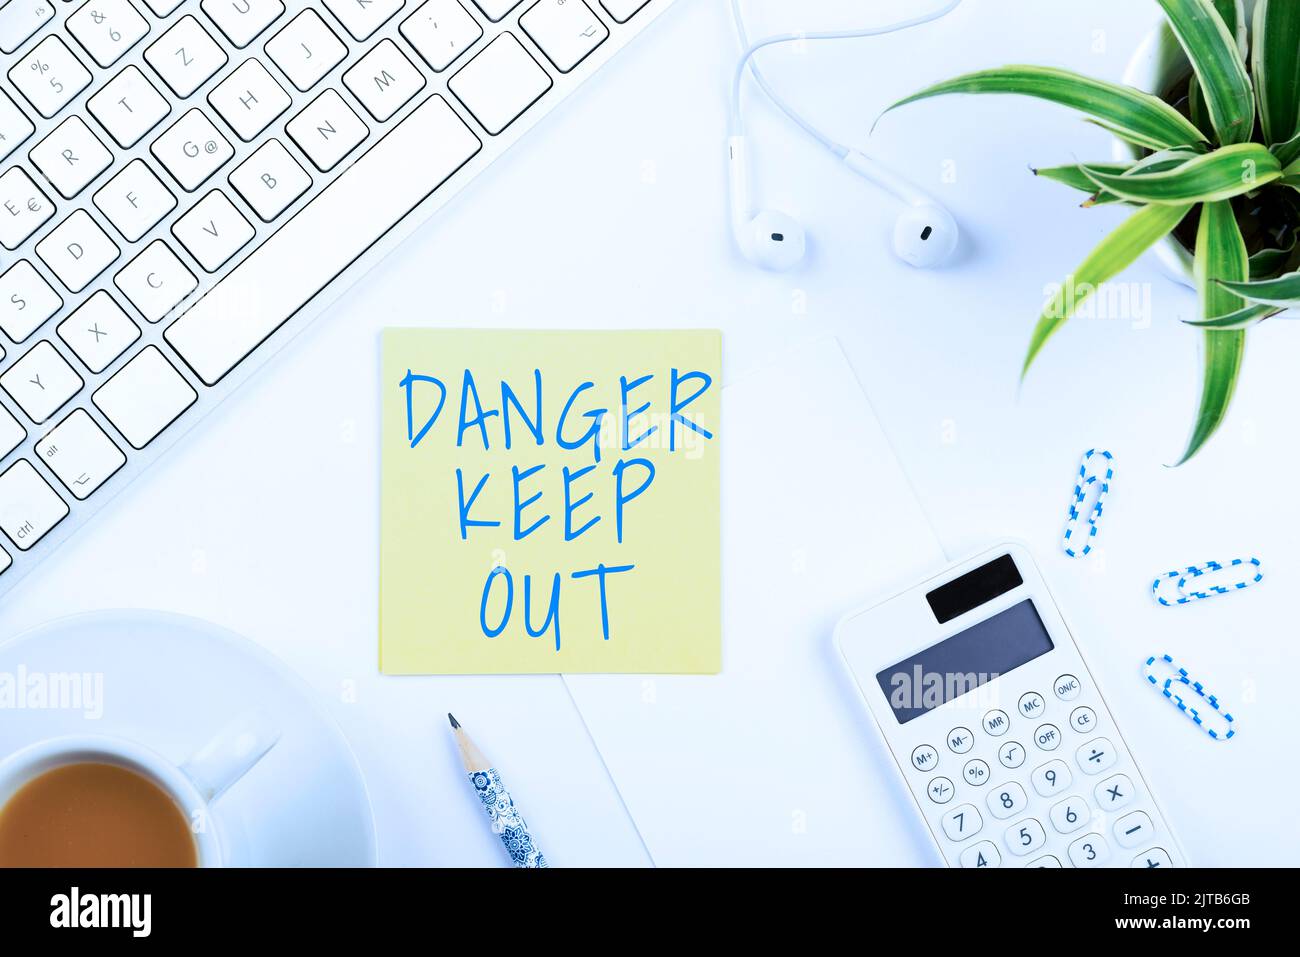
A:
<point x="612" y="213"/>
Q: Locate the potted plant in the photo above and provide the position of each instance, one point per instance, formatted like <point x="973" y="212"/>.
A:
<point x="1212" y="172"/>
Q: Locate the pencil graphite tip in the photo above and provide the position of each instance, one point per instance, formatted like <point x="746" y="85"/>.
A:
<point x="452" y="718"/>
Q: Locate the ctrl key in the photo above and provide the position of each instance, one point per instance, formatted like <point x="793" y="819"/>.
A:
<point x="29" y="507"/>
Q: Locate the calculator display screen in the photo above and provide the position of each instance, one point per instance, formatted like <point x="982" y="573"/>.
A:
<point x="965" y="661"/>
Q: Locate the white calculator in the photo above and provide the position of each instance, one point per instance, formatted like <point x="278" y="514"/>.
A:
<point x="997" y="726"/>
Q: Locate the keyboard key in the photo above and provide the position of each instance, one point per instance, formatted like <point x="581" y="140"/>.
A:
<point x="362" y="18"/>
<point x="192" y="150"/>
<point x="622" y="10"/>
<point x="29" y="507"/>
<point x="1007" y="800"/>
<point x="15" y="127"/>
<point x="155" y="281"/>
<point x="5" y="560"/>
<point x="242" y="20"/>
<point x="1051" y="778"/>
<point x="11" y="432"/>
<point x="440" y="31"/>
<point x="306" y="50"/>
<point x="77" y="250"/>
<point x="384" y="80"/>
<point x="327" y="130"/>
<point x="107" y="29"/>
<point x="134" y="200"/>
<point x="962" y="822"/>
<point x="1070" y="815"/>
<point x="41" y="382"/>
<point x="23" y="208"/>
<point x="49" y="76"/>
<point x="26" y="300"/>
<point x="162" y="8"/>
<point x="1133" y="829"/>
<point x="494" y="10"/>
<point x="565" y="30"/>
<point x="249" y="99"/>
<point x="1025" y="837"/>
<point x="185" y="56"/>
<point x="1096" y="756"/>
<point x="1089" y="851"/>
<point x="270" y="180"/>
<point x="213" y="231"/>
<point x="80" y="454"/>
<point x="372" y="194"/>
<point x="983" y="854"/>
<point x="19" y="19"/>
<point x="144" y="397"/>
<point x="71" y="156"/>
<point x="98" y="332"/>
<point x="128" y="107"/>
<point x="1114" y="793"/>
<point x="500" y="83"/>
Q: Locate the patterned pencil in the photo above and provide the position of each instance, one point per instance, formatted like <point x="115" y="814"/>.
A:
<point x="506" y="821"/>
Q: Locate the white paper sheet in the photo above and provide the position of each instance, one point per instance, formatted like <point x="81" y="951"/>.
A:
<point x="775" y="761"/>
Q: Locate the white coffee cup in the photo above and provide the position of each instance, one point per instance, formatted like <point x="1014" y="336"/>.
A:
<point x="195" y="785"/>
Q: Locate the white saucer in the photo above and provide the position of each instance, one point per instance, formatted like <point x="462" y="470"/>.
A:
<point x="170" y="683"/>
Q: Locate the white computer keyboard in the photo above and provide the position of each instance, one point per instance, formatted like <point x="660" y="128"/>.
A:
<point x="184" y="184"/>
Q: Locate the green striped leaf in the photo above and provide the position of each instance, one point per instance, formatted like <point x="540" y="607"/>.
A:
<point x="1196" y="108"/>
<point x="1224" y="173"/>
<point x="1157" y="162"/>
<point x="1243" y="317"/>
<point x="1233" y="15"/>
<point x="1275" y="69"/>
<point x="1288" y="152"/>
<point x="1216" y="60"/>
<point x="1138" y="117"/>
<point x="1283" y="291"/>
<point x="1072" y="175"/>
<point x="1267" y="263"/>
<point x="1220" y="258"/>
<point x="1112" y="256"/>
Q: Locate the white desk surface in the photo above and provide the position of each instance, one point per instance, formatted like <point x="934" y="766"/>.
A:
<point x="613" y="213"/>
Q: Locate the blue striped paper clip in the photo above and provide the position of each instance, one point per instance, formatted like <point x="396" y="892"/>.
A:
<point x="1252" y="573"/>
<point x="1179" y="684"/>
<point x="1090" y="474"/>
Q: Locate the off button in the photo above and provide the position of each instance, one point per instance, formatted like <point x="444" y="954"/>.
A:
<point x="1067" y="687"/>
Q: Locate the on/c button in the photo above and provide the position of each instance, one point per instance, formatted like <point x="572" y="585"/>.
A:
<point x="1067" y="687"/>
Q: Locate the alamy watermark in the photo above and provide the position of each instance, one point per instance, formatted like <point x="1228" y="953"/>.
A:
<point x="1124" y="301"/>
<point x="24" y="690"/>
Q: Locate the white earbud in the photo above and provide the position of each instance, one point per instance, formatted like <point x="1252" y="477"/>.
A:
<point x="925" y="234"/>
<point x="768" y="238"/>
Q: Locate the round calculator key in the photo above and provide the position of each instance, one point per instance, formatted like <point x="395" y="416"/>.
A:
<point x="1047" y="737"/>
<point x="983" y="854"/>
<point x="1011" y="754"/>
<point x="940" y="790"/>
<point x="1067" y="687"/>
<point x="1070" y="815"/>
<point x="1133" y="829"/>
<point x="1155" y="857"/>
<point x="1052" y="778"/>
<point x="1083" y="719"/>
<point x="1047" y="860"/>
<point x="1089" y="851"/>
<point x="960" y="740"/>
<point x="925" y="758"/>
<point x="1114" y="793"/>
<point x="976" y="772"/>
<point x="1006" y="800"/>
<point x="1031" y="705"/>
<point x="962" y="822"/>
<point x="1025" y="837"/>
<point x="1096" y="756"/>
<point x="996" y="723"/>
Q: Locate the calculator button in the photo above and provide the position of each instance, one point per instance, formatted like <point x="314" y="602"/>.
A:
<point x="962" y="822"/>
<point x="1070" y="815"/>
<point x="924" y="757"/>
<point x="1032" y="705"/>
<point x="1047" y="860"/>
<point x="940" y="790"/>
<point x="1047" y="737"/>
<point x="1089" y="851"/>
<point x="983" y="854"/>
<point x="1083" y="719"/>
<point x="1012" y="754"/>
<point x="996" y="723"/>
<point x="960" y="740"/>
<point x="1156" y="857"/>
<point x="1114" y="793"/>
<point x="1133" y="829"/>
<point x="976" y="772"/>
<point x="1052" y="778"/>
<point x="1096" y="756"/>
<point x="1006" y="800"/>
<point x="1025" y="837"/>
<point x="1067" y="687"/>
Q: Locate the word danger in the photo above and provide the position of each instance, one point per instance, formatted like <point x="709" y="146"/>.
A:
<point x="582" y="427"/>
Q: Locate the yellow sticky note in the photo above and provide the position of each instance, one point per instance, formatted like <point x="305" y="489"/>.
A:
<point x="550" y="502"/>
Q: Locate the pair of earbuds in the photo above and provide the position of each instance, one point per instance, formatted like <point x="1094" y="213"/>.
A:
<point x="925" y="233"/>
